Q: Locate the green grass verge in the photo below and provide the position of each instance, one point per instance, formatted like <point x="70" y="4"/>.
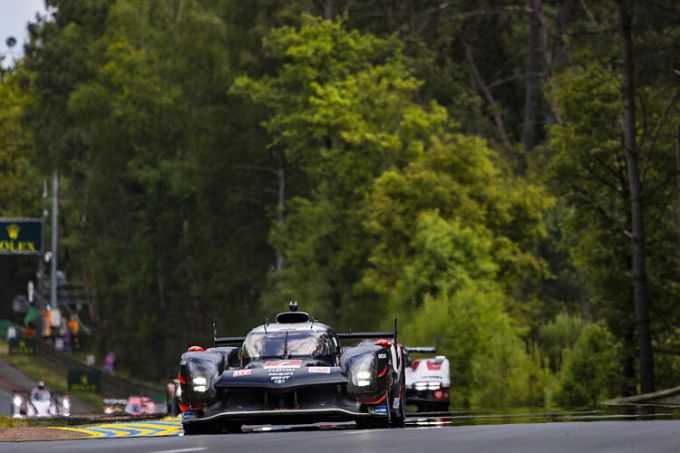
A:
<point x="9" y="422"/>
<point x="54" y="378"/>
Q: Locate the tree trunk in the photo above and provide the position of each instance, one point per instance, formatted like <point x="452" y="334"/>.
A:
<point x="532" y="97"/>
<point x="677" y="181"/>
<point x="329" y="9"/>
<point x="628" y="359"/>
<point x="563" y="19"/>
<point x="640" y="290"/>
<point x="281" y="206"/>
<point x="483" y="89"/>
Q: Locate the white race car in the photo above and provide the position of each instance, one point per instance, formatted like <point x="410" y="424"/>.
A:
<point x="428" y="381"/>
<point x="39" y="402"/>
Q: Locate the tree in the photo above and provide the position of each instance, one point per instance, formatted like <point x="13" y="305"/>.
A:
<point x="640" y="291"/>
<point x="342" y="109"/>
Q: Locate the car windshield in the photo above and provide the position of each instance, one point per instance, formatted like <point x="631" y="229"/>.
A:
<point x="41" y="395"/>
<point x="288" y="344"/>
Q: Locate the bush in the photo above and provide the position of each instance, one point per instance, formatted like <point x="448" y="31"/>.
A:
<point x="590" y="371"/>
<point x="559" y="335"/>
<point x="507" y="375"/>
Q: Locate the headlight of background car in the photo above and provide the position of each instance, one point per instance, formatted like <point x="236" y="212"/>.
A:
<point x="427" y="385"/>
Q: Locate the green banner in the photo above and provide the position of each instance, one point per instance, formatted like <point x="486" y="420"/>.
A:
<point x="84" y="381"/>
<point x="25" y="346"/>
<point x="21" y="236"/>
<point x="4" y="325"/>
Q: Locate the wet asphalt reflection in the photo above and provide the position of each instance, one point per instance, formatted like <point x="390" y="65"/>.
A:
<point x="473" y="417"/>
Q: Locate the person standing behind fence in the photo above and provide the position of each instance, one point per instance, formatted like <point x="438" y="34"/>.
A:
<point x="74" y="326"/>
<point x="110" y="362"/>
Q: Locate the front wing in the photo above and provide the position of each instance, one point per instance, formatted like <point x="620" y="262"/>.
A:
<point x="286" y="395"/>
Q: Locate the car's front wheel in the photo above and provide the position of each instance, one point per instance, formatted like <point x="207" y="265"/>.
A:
<point x="372" y="423"/>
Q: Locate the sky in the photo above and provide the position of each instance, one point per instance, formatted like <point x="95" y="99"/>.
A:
<point x="14" y="17"/>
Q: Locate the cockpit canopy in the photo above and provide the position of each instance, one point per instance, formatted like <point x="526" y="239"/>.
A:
<point x="285" y="344"/>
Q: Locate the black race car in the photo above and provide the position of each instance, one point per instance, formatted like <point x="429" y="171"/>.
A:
<point x="293" y="371"/>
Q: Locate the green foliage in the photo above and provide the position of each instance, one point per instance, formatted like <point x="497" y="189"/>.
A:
<point x="590" y="372"/>
<point x="559" y="335"/>
<point x="588" y="170"/>
<point x="200" y="141"/>
<point x="342" y="110"/>
<point x="20" y="184"/>
<point x="457" y="178"/>
<point x="507" y="375"/>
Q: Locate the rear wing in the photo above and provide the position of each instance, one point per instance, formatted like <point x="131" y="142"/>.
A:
<point x="365" y="335"/>
<point x="369" y="335"/>
<point x="421" y="349"/>
<point x="222" y="341"/>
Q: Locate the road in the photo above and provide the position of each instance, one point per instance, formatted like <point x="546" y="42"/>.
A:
<point x="601" y="437"/>
<point x="5" y="402"/>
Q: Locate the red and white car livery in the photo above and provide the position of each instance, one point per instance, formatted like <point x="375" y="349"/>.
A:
<point x="428" y="381"/>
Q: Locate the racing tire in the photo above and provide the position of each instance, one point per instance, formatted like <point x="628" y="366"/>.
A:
<point x="397" y="419"/>
<point x="195" y="429"/>
<point x="377" y="422"/>
<point x="192" y="429"/>
<point x="442" y="407"/>
<point x="372" y="423"/>
<point x="231" y="428"/>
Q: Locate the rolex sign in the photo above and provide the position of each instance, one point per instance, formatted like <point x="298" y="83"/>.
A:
<point x="21" y="236"/>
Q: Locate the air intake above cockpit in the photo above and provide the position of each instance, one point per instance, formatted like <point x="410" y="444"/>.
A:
<point x="291" y="317"/>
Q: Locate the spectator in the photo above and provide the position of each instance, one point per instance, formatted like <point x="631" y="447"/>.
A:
<point x="110" y="362"/>
<point x="68" y="340"/>
<point x="74" y="325"/>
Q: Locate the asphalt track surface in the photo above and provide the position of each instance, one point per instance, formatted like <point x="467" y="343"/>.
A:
<point x="5" y="402"/>
<point x="607" y="436"/>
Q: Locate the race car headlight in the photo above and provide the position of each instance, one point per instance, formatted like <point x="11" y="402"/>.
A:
<point x="433" y="385"/>
<point x="363" y="378"/>
<point x="362" y="371"/>
<point x="420" y="386"/>
<point x="200" y="384"/>
<point x="199" y="380"/>
<point x="364" y="375"/>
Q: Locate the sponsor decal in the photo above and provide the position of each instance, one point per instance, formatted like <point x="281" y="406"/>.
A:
<point x="395" y="404"/>
<point x="280" y="375"/>
<point x="432" y="366"/>
<point x="282" y="364"/>
<point x="379" y="410"/>
<point x="239" y="373"/>
<point x="279" y="371"/>
<point x="188" y="415"/>
<point x="319" y="369"/>
<point x="382" y="356"/>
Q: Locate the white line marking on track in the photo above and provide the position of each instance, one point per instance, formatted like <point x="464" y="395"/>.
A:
<point x="181" y="450"/>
